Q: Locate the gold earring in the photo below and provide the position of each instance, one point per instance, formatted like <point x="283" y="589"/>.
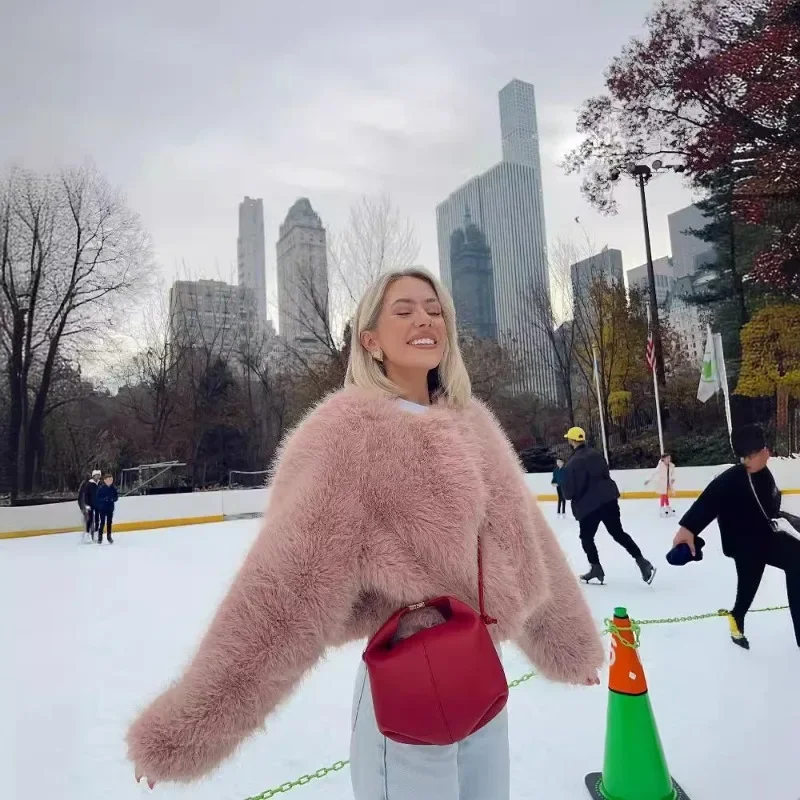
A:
<point x="378" y="355"/>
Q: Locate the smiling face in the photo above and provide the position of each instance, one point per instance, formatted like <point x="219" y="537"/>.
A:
<point x="410" y="334"/>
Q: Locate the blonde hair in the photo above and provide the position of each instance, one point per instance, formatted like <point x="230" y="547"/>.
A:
<point x="365" y="372"/>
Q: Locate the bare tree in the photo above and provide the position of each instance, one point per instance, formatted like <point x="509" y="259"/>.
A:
<point x="377" y="238"/>
<point x="71" y="253"/>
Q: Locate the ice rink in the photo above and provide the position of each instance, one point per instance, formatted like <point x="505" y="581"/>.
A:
<point x="89" y="634"/>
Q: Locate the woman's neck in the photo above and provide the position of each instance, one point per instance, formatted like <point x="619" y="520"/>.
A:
<point x="413" y="387"/>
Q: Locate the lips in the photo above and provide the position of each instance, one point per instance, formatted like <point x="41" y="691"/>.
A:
<point x="423" y="341"/>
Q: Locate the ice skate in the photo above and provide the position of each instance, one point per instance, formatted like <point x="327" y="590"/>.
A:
<point x="110" y="540"/>
<point x="647" y="569"/>
<point x="595" y="572"/>
<point x="737" y="637"/>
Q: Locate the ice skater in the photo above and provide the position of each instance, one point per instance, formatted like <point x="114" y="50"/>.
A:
<point x="745" y="501"/>
<point x="557" y="472"/>
<point x="586" y="481"/>
<point x="663" y="478"/>
<point x="107" y="496"/>
<point x="86" y="502"/>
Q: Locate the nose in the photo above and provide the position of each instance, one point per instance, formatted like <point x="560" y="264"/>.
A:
<point x="422" y="319"/>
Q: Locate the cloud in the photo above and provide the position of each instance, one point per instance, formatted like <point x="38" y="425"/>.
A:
<point x="191" y="105"/>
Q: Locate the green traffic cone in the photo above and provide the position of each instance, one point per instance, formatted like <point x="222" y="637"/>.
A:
<point x="635" y="767"/>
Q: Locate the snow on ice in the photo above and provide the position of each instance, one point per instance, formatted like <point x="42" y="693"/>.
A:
<point x="90" y="633"/>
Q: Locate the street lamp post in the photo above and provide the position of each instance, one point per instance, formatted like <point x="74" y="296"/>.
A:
<point x="642" y="174"/>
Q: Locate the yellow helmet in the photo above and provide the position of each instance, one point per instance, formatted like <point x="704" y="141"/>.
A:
<point x="576" y="435"/>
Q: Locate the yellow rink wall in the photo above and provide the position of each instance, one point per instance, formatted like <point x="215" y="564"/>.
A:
<point x="169" y="511"/>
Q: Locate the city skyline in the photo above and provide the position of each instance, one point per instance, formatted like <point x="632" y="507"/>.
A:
<point x="408" y="108"/>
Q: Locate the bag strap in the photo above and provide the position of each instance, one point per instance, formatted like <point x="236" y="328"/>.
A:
<point x="487" y="620"/>
<point x="755" y="494"/>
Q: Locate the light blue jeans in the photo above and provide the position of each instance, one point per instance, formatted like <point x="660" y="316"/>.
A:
<point x="476" y="769"/>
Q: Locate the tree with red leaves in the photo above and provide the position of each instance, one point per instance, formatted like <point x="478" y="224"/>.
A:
<point x="715" y="86"/>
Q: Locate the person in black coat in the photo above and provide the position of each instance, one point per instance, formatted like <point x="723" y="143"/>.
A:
<point x="745" y="500"/>
<point x="86" y="502"/>
<point x="586" y="481"/>
<point x="107" y="496"/>
<point x="556" y="481"/>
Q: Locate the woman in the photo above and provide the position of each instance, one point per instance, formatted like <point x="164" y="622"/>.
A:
<point x="377" y="502"/>
<point x="744" y="500"/>
<point x="663" y="476"/>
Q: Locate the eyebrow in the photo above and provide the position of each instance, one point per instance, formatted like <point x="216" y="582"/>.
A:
<point x="429" y="301"/>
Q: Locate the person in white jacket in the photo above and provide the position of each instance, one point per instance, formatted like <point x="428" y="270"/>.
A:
<point x="663" y="478"/>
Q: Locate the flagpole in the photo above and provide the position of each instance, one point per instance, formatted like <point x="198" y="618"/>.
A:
<point x="723" y="380"/>
<point x="658" y="413"/>
<point x="600" y="404"/>
<point x="655" y="392"/>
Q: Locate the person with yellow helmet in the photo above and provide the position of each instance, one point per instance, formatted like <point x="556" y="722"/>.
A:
<point x="587" y="483"/>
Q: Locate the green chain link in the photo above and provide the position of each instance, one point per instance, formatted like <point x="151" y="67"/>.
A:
<point x="609" y="628"/>
<point x="301" y="781"/>
<point x="693" y="617"/>
<point x="613" y="629"/>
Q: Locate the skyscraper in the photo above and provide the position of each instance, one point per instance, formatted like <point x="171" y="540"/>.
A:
<point x="518" y="125"/>
<point x="689" y="251"/>
<point x="605" y="265"/>
<point x="303" y="278"/>
<point x="664" y="276"/>
<point x="506" y="204"/>
<point x="473" y="284"/>
<point x="251" y="255"/>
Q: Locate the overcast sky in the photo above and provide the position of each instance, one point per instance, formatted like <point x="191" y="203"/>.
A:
<point x="190" y="106"/>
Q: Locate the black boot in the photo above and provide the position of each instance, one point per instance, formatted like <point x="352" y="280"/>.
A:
<point x="595" y="571"/>
<point x="110" y="540"/>
<point x="647" y="569"/>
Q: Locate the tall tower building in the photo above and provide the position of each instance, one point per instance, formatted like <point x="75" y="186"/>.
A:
<point x="506" y="204"/>
<point x="518" y="125"/>
<point x="473" y="283"/>
<point x="303" y="278"/>
<point x="251" y="256"/>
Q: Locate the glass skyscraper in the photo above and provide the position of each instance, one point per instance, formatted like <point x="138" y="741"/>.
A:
<point x="506" y="204"/>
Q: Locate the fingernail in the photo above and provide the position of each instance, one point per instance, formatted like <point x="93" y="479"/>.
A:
<point x="151" y="784"/>
<point x="138" y="778"/>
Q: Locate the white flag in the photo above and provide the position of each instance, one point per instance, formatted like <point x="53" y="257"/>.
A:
<point x="709" y="376"/>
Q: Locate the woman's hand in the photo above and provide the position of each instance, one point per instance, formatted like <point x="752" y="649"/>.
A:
<point x="139" y="776"/>
<point x="591" y="679"/>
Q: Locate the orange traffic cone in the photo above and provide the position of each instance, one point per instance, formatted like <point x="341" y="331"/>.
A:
<point x="635" y="767"/>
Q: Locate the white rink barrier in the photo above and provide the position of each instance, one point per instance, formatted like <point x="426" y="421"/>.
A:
<point x="171" y="510"/>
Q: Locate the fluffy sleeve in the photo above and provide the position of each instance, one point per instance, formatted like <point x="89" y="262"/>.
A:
<point x="561" y="637"/>
<point x="289" y="599"/>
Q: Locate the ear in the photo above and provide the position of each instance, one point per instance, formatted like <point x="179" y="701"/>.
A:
<point x="369" y="341"/>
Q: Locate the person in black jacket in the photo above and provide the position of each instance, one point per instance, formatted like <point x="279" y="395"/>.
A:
<point x="86" y="502"/>
<point x="107" y="496"/>
<point x="744" y="500"/>
<point x="586" y="481"/>
<point x="556" y="481"/>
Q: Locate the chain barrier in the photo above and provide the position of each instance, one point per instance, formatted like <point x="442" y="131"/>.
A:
<point x="610" y="627"/>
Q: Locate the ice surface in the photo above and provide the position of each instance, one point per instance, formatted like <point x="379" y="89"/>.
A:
<point x="88" y="634"/>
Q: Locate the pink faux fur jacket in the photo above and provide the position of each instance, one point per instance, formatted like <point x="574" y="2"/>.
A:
<point x="372" y="508"/>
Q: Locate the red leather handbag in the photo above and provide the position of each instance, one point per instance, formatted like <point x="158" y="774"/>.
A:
<point x="441" y="684"/>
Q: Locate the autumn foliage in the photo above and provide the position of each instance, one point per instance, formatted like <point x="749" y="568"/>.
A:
<point x="771" y="352"/>
<point x="714" y="86"/>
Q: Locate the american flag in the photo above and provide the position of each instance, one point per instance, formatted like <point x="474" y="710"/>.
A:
<point x="650" y="350"/>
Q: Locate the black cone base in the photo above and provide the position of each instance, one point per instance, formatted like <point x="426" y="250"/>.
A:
<point x="593" y="780"/>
